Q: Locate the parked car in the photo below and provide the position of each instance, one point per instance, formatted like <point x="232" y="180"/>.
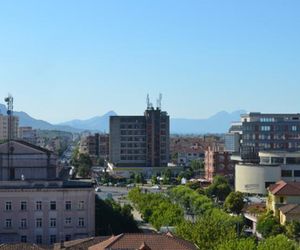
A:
<point x="97" y="189"/>
<point x="157" y="187"/>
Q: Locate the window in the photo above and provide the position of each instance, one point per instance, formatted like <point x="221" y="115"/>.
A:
<point x="52" y="205"/>
<point x="81" y="205"/>
<point x="277" y="160"/>
<point x="68" y="205"/>
<point x="23" y="238"/>
<point x="8" y="206"/>
<point x="294" y="128"/>
<point x="52" y="239"/>
<point x="286" y="173"/>
<point x="67" y="237"/>
<point x="52" y="222"/>
<point x="8" y="223"/>
<point x="81" y="222"/>
<point x="38" y="222"/>
<point x="23" y="205"/>
<point x="23" y="223"/>
<point x="68" y="221"/>
<point x="39" y="239"/>
<point x="281" y="199"/>
<point x="38" y="205"/>
<point x="297" y="173"/>
<point x="292" y="160"/>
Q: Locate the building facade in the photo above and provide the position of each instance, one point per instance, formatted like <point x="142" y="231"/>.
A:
<point x="273" y="166"/>
<point x="262" y="132"/>
<point x="5" y="122"/>
<point x="45" y="212"/>
<point x="232" y="142"/>
<point x="21" y="160"/>
<point x="218" y="162"/>
<point x="140" y="141"/>
<point x="27" y="134"/>
<point x="97" y="145"/>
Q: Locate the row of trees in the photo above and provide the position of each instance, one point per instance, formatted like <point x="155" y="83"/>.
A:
<point x="112" y="218"/>
<point x="156" y="208"/>
<point x="213" y="228"/>
<point x="190" y="200"/>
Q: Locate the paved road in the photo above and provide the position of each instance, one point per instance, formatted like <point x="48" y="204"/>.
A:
<point x="117" y="193"/>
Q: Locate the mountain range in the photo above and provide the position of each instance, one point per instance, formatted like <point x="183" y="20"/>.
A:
<point x="218" y="123"/>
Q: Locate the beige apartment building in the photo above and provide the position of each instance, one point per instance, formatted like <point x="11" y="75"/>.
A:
<point x="36" y="206"/>
<point x="46" y="212"/>
<point x="4" y="125"/>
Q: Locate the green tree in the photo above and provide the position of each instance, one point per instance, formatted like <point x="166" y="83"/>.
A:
<point x="167" y="175"/>
<point x="210" y="230"/>
<point x="268" y="225"/>
<point x="293" y="229"/>
<point x="197" y="165"/>
<point x="82" y="164"/>
<point x="238" y="244"/>
<point x="234" y="202"/>
<point x="279" y="242"/>
<point x="112" y="218"/>
<point x="219" y="188"/>
<point x="154" y="180"/>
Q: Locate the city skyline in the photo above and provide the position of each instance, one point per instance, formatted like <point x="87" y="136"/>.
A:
<point x="77" y="60"/>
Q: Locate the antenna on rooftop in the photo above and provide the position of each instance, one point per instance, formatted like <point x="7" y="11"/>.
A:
<point x="149" y="104"/>
<point x="158" y="101"/>
<point x="10" y="106"/>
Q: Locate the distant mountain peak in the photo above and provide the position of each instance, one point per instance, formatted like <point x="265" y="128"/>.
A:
<point x="96" y="123"/>
<point x="217" y="123"/>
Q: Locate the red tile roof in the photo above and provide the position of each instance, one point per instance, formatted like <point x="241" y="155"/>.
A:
<point x="290" y="209"/>
<point x="285" y="188"/>
<point x="145" y="242"/>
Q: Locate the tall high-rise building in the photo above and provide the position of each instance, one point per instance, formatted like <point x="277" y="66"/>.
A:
<point x="5" y="122"/>
<point x="140" y="141"/>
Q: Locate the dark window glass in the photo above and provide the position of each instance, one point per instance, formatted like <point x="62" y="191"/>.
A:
<point x="292" y="160"/>
<point x="286" y="173"/>
<point x="277" y="160"/>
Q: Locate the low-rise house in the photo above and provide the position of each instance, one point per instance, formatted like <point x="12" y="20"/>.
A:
<point x="290" y="212"/>
<point x="281" y="194"/>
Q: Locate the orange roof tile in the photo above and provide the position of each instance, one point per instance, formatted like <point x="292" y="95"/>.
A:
<point x="285" y="188"/>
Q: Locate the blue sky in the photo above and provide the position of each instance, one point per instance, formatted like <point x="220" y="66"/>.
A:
<point x="77" y="59"/>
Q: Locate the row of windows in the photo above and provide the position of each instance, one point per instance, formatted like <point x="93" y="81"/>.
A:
<point x="131" y="151"/>
<point x="130" y="158"/>
<point x="132" y="126"/>
<point x="284" y="127"/>
<point x="289" y="173"/>
<point x="39" y="238"/>
<point x="267" y="119"/>
<point x="39" y="223"/>
<point x="38" y="205"/>
<point x="133" y="132"/>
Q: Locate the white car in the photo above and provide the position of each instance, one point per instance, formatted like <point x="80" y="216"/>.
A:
<point x="97" y="189"/>
<point x="156" y="187"/>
